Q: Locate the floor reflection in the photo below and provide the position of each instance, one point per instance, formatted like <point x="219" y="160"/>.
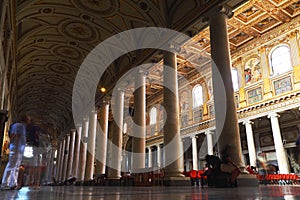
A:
<point x="145" y="193"/>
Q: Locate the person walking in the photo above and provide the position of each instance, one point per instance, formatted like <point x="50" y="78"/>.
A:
<point x="17" y="135"/>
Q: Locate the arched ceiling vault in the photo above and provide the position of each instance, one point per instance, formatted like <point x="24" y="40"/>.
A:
<point x="53" y="37"/>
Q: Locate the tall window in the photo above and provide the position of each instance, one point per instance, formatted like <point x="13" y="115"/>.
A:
<point x="235" y="80"/>
<point x="197" y="96"/>
<point x="280" y="60"/>
<point x="153" y="116"/>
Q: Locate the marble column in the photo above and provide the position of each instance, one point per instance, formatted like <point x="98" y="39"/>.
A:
<point x="62" y="160"/>
<point x="158" y="155"/>
<point x="59" y="154"/>
<point x="77" y="150"/>
<point x="225" y="109"/>
<point x="101" y="150"/>
<point x="194" y="152"/>
<point x="250" y="142"/>
<point x="71" y="153"/>
<point x="83" y="150"/>
<point x="65" y="164"/>
<point x="90" y="159"/>
<point x="280" y="151"/>
<point x="114" y="171"/>
<point x="139" y="118"/>
<point x="172" y="141"/>
<point x="210" y="144"/>
<point x="49" y="165"/>
<point x="149" y="157"/>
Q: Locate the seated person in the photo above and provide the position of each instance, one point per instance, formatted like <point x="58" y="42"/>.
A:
<point x="229" y="166"/>
<point x="213" y="169"/>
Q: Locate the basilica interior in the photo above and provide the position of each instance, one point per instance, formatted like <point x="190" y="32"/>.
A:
<point x="245" y="60"/>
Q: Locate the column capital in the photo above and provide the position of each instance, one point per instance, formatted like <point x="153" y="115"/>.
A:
<point x="262" y="49"/>
<point x="193" y="136"/>
<point x="94" y="111"/>
<point x="121" y="90"/>
<point x="73" y="130"/>
<point x="209" y="132"/>
<point x="247" y="121"/>
<point x="237" y="62"/>
<point x="78" y="125"/>
<point x="293" y="34"/>
<point x="221" y="9"/>
<point x="273" y="115"/>
<point x="105" y="102"/>
<point x="85" y="119"/>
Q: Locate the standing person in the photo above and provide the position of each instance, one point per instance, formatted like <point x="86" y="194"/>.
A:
<point x="17" y="135"/>
<point x="262" y="166"/>
<point x="34" y="172"/>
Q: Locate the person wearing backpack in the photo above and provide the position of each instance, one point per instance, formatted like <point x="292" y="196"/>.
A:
<point x="17" y="136"/>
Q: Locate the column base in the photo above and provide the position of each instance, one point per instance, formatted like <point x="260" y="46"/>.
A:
<point x="246" y="180"/>
<point x="177" y="181"/>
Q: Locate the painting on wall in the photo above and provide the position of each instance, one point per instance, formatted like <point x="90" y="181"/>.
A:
<point x="266" y="140"/>
<point x="198" y="115"/>
<point x="252" y="70"/>
<point x="282" y="85"/>
<point x="290" y="136"/>
<point x="184" y="101"/>
<point x="254" y="95"/>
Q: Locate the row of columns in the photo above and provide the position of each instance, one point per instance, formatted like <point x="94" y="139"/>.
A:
<point x="279" y="148"/>
<point x="173" y="149"/>
<point x="76" y="152"/>
<point x="278" y="143"/>
<point x="73" y="143"/>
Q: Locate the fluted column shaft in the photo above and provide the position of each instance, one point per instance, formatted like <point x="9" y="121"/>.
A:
<point x="77" y="150"/>
<point x="65" y="175"/>
<point x="225" y="115"/>
<point x="172" y="141"/>
<point x="210" y="144"/>
<point x="101" y="151"/>
<point x="71" y="153"/>
<point x="139" y="132"/>
<point x="114" y="172"/>
<point x="158" y="155"/>
<point x="62" y="160"/>
<point x="89" y="169"/>
<point x="194" y="152"/>
<point x="250" y="142"/>
<point x="59" y="160"/>
<point x="83" y="150"/>
<point x="280" y="152"/>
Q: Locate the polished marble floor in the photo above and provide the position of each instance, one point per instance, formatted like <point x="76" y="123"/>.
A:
<point x="157" y="193"/>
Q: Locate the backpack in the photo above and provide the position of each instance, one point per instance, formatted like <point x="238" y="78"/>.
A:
<point x="33" y="136"/>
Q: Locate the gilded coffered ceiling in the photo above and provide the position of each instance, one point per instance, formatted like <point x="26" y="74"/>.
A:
<point x="53" y="37"/>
